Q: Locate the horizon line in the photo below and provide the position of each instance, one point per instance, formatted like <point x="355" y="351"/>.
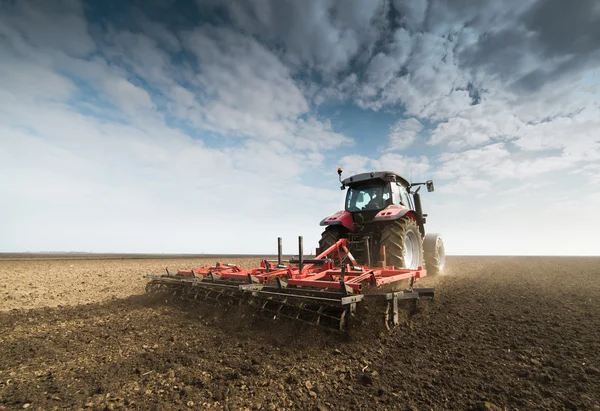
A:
<point x="8" y="254"/>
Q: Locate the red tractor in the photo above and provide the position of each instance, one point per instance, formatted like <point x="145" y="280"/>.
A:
<point x="373" y="251"/>
<point x="383" y="221"/>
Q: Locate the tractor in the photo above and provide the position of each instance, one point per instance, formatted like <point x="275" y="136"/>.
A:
<point x="383" y="221"/>
<point x="373" y="251"/>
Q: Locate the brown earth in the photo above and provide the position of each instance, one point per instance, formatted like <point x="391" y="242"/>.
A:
<point x="501" y="333"/>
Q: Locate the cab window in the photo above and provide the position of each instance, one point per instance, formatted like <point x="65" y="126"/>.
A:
<point x="368" y="198"/>
<point x="404" y="196"/>
<point x="395" y="194"/>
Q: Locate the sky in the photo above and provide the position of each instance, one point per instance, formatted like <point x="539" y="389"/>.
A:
<point x="216" y="127"/>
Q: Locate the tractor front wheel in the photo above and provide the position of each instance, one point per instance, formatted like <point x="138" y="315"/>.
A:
<point x="435" y="254"/>
<point x="403" y="243"/>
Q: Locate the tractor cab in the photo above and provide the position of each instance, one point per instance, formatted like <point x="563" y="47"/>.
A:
<point x="369" y="193"/>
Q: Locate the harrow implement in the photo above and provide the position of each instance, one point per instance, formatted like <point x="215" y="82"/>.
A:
<point x="327" y="290"/>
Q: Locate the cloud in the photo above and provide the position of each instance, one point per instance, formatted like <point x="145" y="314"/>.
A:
<point x="109" y="162"/>
<point x="252" y="93"/>
<point x="563" y="37"/>
<point x="403" y="133"/>
<point x="158" y="32"/>
<point x="321" y="35"/>
<point x="128" y="96"/>
<point x="592" y="174"/>
<point x="410" y="168"/>
<point x="479" y="73"/>
<point x="140" y="53"/>
<point x="135" y="122"/>
<point x="485" y="162"/>
<point x="56" y="25"/>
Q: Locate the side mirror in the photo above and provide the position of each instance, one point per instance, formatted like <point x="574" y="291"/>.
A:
<point x="430" y="187"/>
<point x="361" y="198"/>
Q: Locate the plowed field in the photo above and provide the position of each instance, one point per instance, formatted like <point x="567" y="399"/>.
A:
<point x="501" y="333"/>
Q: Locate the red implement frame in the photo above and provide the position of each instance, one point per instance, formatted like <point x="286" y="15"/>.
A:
<point x="333" y="269"/>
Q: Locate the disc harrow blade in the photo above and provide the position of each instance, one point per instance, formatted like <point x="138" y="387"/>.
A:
<point x="330" y="317"/>
<point x="327" y="316"/>
<point x="220" y="294"/>
<point x="194" y="292"/>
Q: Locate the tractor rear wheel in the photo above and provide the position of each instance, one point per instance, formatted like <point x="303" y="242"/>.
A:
<point x="403" y="243"/>
<point x="330" y="236"/>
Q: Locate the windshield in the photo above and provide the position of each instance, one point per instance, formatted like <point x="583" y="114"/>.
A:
<point x="368" y="198"/>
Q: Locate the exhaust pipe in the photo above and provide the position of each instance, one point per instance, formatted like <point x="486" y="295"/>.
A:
<point x="419" y="211"/>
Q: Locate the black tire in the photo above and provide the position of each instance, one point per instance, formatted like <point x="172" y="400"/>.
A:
<point x="435" y="254"/>
<point x="393" y="237"/>
<point x="330" y="236"/>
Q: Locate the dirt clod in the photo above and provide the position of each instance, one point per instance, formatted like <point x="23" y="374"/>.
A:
<point x="366" y="379"/>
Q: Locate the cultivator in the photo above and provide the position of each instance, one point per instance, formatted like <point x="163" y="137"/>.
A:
<point x="325" y="290"/>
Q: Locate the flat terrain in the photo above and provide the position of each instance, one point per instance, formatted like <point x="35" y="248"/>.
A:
<point x="502" y="333"/>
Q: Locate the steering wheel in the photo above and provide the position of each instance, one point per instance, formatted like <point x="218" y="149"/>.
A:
<point x="371" y="205"/>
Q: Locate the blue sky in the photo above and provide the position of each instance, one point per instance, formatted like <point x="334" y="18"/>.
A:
<point x="205" y="126"/>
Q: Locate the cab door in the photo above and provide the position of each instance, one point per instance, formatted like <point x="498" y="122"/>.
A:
<point x="396" y="197"/>
<point x="400" y="196"/>
<point x="405" y="198"/>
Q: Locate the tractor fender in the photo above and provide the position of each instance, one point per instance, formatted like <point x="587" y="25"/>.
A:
<point x="342" y="217"/>
<point x="393" y="212"/>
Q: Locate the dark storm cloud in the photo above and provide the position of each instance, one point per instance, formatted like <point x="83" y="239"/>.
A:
<point x="320" y="35"/>
<point x="524" y="43"/>
<point x="570" y="34"/>
<point x="550" y="39"/>
<point x="527" y="43"/>
<point x="565" y="27"/>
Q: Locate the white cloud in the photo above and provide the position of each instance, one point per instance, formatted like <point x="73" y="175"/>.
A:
<point x="592" y="174"/>
<point x="253" y="92"/>
<point x="128" y="96"/>
<point x="485" y="162"/>
<point x="24" y="81"/>
<point x="244" y="75"/>
<point x="403" y="133"/>
<point x="408" y="167"/>
<point x="467" y="186"/>
<point x="354" y="164"/>
<point x="143" y="56"/>
<point x="431" y="83"/>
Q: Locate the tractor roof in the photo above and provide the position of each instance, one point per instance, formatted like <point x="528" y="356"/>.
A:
<point x="375" y="175"/>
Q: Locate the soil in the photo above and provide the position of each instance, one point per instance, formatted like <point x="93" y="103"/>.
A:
<point x="501" y="333"/>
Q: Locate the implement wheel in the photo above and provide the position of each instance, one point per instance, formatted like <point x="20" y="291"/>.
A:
<point x="403" y="243"/>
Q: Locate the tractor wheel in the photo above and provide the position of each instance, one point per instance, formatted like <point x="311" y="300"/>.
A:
<point x="435" y="254"/>
<point x="403" y="243"/>
<point x="330" y="236"/>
